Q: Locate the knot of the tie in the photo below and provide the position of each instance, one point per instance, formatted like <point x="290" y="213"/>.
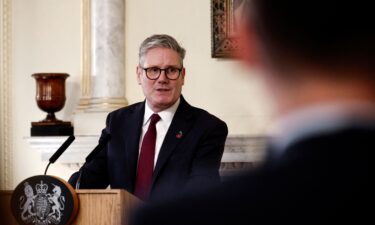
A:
<point x="154" y="119"/>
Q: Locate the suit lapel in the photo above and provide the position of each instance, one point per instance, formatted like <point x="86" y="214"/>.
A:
<point x="132" y="134"/>
<point x="179" y="127"/>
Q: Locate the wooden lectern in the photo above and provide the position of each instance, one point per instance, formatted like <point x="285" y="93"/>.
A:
<point x="108" y="206"/>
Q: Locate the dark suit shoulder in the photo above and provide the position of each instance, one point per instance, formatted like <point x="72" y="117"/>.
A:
<point x="127" y="110"/>
<point x="200" y="116"/>
<point x="206" y="116"/>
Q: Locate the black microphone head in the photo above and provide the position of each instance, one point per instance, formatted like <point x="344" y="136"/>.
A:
<point x="62" y="148"/>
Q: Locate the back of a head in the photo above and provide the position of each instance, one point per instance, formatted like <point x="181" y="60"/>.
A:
<point x="319" y="32"/>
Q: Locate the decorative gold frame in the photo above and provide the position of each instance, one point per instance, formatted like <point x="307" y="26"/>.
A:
<point x="225" y="42"/>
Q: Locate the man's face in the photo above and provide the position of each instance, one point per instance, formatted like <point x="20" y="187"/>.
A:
<point x="162" y="92"/>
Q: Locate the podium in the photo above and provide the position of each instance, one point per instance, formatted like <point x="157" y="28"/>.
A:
<point x="96" y="207"/>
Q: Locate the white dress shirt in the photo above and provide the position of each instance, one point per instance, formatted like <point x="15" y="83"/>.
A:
<point x="162" y="126"/>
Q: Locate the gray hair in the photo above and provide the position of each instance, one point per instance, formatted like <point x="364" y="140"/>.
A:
<point x="160" y="41"/>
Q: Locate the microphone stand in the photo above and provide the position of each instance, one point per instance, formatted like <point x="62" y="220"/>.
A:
<point x="45" y="171"/>
<point x="78" y="183"/>
<point x="60" y="151"/>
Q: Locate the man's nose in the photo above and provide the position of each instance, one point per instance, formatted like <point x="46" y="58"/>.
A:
<point x="163" y="77"/>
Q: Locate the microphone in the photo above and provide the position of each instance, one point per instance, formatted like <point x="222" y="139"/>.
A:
<point x="60" y="151"/>
<point x="102" y="143"/>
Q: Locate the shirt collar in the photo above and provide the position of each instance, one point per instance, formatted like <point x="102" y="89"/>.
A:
<point x="165" y="115"/>
<point x="320" y="119"/>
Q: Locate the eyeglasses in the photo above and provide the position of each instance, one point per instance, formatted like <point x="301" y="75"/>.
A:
<point x="153" y="73"/>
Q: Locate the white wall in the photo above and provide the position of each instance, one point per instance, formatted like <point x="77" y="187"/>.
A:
<point x="47" y="39"/>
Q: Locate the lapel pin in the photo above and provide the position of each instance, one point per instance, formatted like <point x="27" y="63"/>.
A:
<point x="179" y="135"/>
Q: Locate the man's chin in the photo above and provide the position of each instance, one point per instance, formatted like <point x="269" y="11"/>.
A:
<point x="164" y="104"/>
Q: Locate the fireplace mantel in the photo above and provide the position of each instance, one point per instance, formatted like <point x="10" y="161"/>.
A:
<point x="240" y="151"/>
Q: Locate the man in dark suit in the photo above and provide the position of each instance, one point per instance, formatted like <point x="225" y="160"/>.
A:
<point x="186" y="142"/>
<point x="317" y="60"/>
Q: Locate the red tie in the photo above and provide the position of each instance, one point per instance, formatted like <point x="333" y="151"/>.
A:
<point x="146" y="161"/>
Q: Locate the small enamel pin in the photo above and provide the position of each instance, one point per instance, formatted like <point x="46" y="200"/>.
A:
<point x="179" y="135"/>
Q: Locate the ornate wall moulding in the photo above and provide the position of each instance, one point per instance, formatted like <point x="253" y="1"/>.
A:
<point x="6" y="171"/>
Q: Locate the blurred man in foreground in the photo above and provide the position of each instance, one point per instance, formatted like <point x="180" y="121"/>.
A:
<point x="317" y="58"/>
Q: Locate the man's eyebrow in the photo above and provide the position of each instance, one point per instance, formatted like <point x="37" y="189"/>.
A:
<point x="168" y="66"/>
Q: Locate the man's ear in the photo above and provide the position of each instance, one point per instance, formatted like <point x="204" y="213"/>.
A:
<point x="183" y="75"/>
<point x="139" y="74"/>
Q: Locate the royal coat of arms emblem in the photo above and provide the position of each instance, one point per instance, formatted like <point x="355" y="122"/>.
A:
<point x="44" y="200"/>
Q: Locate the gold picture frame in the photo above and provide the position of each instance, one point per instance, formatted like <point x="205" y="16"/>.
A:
<point x="225" y="18"/>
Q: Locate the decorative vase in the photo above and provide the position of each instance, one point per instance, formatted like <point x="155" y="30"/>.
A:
<point x="50" y="97"/>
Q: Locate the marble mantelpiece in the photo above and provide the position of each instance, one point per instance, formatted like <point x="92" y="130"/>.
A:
<point x="241" y="152"/>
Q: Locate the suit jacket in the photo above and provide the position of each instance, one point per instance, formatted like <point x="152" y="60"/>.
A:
<point x="323" y="179"/>
<point x="185" y="161"/>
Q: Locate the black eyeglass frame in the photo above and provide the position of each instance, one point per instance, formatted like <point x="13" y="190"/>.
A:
<point x="165" y="72"/>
